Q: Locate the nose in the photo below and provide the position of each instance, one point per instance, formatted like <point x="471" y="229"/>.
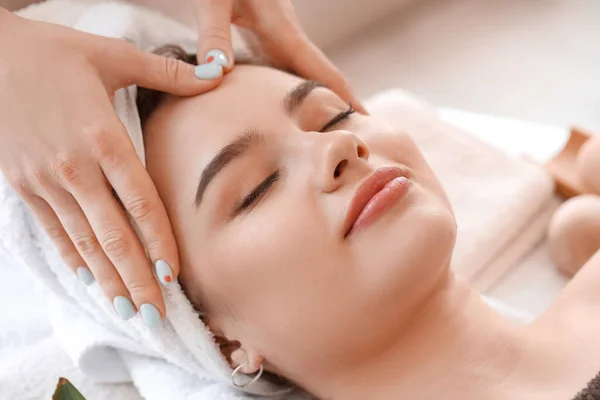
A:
<point x="341" y="152"/>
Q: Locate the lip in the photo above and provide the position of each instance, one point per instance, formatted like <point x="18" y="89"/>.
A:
<point x="375" y="195"/>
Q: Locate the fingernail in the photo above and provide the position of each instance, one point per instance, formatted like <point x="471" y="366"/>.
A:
<point x="85" y="276"/>
<point x="164" y="273"/>
<point x="124" y="307"/>
<point x="217" y="57"/>
<point x="208" y="71"/>
<point x="150" y="315"/>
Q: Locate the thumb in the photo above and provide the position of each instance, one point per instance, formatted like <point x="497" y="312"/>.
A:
<point x="214" y="32"/>
<point x="170" y="75"/>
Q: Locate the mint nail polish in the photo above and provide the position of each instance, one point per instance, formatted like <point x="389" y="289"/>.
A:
<point x="150" y="315"/>
<point x="208" y="71"/>
<point x="163" y="272"/>
<point x="85" y="276"/>
<point x="124" y="307"/>
<point x="216" y="56"/>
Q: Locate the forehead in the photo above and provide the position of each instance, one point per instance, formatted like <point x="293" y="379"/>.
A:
<point x="249" y="96"/>
<point x="183" y="134"/>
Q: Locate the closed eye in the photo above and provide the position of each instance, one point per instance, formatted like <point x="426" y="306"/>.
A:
<point x="337" y="119"/>
<point x="256" y="193"/>
<point x="261" y="189"/>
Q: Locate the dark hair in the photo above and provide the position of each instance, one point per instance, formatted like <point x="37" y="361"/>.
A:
<point x="148" y="99"/>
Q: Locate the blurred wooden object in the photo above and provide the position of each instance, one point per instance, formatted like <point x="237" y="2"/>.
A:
<point x="563" y="167"/>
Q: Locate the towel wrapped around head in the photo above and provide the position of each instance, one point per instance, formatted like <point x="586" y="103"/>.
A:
<point x="179" y="359"/>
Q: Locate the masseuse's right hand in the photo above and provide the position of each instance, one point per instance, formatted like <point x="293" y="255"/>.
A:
<point x="64" y="150"/>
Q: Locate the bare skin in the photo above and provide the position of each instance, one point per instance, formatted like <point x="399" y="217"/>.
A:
<point x="487" y="356"/>
<point x="376" y="314"/>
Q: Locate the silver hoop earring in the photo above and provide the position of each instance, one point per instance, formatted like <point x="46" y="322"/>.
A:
<point x="254" y="380"/>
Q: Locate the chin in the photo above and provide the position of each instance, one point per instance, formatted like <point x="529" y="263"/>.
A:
<point x="410" y="246"/>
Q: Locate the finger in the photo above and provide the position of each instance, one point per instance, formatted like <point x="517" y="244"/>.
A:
<point x="84" y="240"/>
<point x="113" y="235"/>
<point x="138" y="195"/>
<point x="308" y="61"/>
<point x="123" y="248"/>
<point x="311" y="63"/>
<point x="214" y="32"/>
<point x="167" y="74"/>
<point x="55" y="230"/>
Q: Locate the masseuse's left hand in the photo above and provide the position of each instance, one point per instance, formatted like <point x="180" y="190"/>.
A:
<point x="274" y="31"/>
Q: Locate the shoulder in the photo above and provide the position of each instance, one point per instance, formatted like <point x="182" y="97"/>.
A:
<point x="578" y="306"/>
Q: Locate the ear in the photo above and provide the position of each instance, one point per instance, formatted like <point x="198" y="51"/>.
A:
<point x="236" y="352"/>
<point x="226" y="346"/>
<point x="250" y="360"/>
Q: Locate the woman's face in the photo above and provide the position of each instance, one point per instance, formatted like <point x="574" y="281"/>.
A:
<point x="258" y="177"/>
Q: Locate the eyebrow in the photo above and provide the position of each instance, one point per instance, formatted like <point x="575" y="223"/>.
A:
<point x="296" y="96"/>
<point x="248" y="139"/>
<point x="237" y="148"/>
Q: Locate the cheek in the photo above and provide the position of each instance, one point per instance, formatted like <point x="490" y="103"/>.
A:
<point x="392" y="144"/>
<point x="271" y="254"/>
<point x="284" y="277"/>
<point x="409" y="247"/>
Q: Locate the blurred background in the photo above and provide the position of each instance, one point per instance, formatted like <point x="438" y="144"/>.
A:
<point x="529" y="59"/>
<point x="536" y="60"/>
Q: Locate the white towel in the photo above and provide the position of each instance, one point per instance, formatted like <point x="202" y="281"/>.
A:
<point x="179" y="359"/>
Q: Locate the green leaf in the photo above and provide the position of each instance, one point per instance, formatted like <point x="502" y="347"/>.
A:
<point x="66" y="391"/>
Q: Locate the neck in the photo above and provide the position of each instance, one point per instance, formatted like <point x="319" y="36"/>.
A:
<point x="453" y="340"/>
